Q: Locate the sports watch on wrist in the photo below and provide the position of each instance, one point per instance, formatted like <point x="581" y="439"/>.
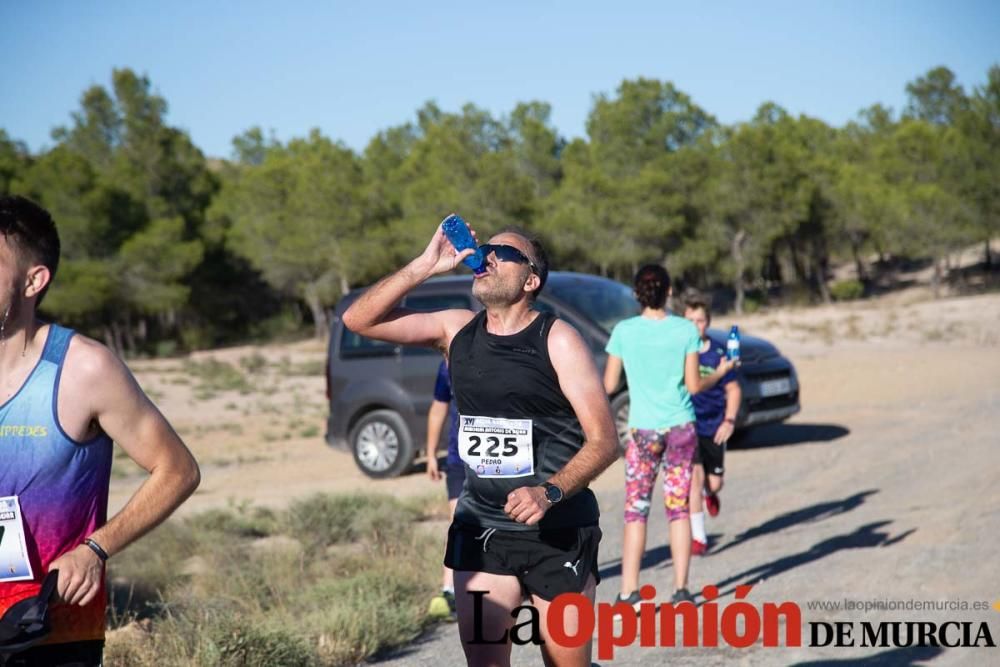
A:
<point x="553" y="493"/>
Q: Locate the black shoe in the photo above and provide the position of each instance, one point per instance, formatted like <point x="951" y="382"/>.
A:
<point x="682" y="595"/>
<point x="632" y="599"/>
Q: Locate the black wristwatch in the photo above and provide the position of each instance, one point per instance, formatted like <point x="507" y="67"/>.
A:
<point x="553" y="493"/>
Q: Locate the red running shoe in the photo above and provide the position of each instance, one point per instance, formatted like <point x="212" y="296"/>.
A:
<point x="712" y="504"/>
<point x="698" y="548"/>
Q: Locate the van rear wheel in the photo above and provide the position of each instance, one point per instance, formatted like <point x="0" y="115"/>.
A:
<point x="382" y="444"/>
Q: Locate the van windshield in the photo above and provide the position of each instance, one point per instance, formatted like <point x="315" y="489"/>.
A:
<point x="604" y="301"/>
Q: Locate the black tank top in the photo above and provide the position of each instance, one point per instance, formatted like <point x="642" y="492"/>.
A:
<point x="512" y="377"/>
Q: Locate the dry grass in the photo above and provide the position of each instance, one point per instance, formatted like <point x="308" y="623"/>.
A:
<point x="333" y="580"/>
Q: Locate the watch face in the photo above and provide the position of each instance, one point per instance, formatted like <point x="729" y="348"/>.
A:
<point x="553" y="493"/>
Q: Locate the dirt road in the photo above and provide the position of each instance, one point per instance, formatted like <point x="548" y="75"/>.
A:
<point x="884" y="488"/>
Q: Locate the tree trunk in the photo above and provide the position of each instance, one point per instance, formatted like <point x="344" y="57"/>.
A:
<point x="936" y="277"/>
<point x="859" y="264"/>
<point x="820" y="264"/>
<point x="989" y="257"/>
<point x="801" y="275"/>
<point x="824" y="290"/>
<point x="130" y="346"/>
<point x="736" y="251"/>
<point x="116" y="338"/>
<point x="320" y="324"/>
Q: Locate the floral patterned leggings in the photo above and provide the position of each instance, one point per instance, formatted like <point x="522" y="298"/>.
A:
<point x="644" y="452"/>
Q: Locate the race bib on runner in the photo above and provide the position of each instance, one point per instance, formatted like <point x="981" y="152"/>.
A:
<point x="14" y="564"/>
<point x="496" y="447"/>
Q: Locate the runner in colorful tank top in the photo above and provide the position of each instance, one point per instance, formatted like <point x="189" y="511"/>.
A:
<point x="64" y="399"/>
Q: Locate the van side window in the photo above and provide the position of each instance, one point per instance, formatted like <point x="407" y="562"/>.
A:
<point x="429" y="303"/>
<point x="354" y="346"/>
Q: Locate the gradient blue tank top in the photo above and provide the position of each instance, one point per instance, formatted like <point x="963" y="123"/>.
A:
<point x="62" y="486"/>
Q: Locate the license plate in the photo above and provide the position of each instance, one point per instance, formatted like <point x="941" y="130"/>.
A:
<point x="775" y="387"/>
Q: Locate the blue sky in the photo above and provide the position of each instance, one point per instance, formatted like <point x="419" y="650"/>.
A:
<point x="354" y="68"/>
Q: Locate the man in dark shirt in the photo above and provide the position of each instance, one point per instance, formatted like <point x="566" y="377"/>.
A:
<point x="443" y="410"/>
<point x="534" y="429"/>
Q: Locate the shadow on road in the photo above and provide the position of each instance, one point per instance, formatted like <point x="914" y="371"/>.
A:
<point x="816" y="512"/>
<point x="897" y="657"/>
<point x="864" y="537"/>
<point x="414" y="647"/>
<point x="780" y="435"/>
<point x="651" y="558"/>
<point x="656" y="556"/>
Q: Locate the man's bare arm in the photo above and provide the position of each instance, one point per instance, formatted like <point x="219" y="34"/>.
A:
<point x="375" y="314"/>
<point x="713" y="378"/>
<point x="437" y="414"/>
<point x="582" y="386"/>
<point x="128" y="417"/>
<point x="734" y="396"/>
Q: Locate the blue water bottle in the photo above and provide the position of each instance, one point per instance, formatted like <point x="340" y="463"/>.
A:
<point x="458" y="233"/>
<point x="733" y="344"/>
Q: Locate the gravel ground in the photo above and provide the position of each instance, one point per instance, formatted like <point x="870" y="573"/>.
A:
<point x="884" y="488"/>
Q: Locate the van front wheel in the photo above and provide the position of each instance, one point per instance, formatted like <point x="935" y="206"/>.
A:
<point x="382" y="444"/>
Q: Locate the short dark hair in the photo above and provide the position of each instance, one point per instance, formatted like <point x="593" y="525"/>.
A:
<point x="32" y="233"/>
<point x="539" y="256"/>
<point x="694" y="300"/>
<point x="652" y="283"/>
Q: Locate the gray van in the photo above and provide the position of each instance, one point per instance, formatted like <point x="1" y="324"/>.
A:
<point x="379" y="393"/>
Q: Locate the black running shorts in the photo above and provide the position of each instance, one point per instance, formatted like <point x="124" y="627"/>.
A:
<point x="71" y="654"/>
<point x="547" y="562"/>
<point x="710" y="455"/>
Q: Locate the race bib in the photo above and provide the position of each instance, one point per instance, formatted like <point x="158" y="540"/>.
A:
<point x="14" y="564"/>
<point x="495" y="447"/>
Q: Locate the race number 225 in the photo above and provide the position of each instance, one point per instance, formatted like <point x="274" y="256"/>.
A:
<point x="493" y="446"/>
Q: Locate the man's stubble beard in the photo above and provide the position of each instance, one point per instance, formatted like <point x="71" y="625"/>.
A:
<point x="497" y="292"/>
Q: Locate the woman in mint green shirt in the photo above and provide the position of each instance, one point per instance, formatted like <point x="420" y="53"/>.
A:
<point x="659" y="352"/>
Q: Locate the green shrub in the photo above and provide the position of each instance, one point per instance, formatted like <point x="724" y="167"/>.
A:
<point x="847" y="290"/>
<point x="238" y="586"/>
<point x="241" y="642"/>
<point x="243" y="521"/>
<point x="322" y="519"/>
<point x="154" y="560"/>
<point x="253" y="363"/>
<point x="165" y="348"/>
<point x="214" y="375"/>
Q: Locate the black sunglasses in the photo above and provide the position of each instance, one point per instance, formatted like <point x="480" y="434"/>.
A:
<point x="507" y="253"/>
